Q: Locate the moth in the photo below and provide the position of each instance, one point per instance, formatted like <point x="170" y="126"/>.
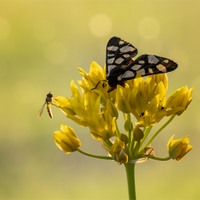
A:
<point x="48" y="101"/>
<point x="120" y="65"/>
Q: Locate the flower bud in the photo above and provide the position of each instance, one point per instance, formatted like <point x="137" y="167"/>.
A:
<point x="137" y="134"/>
<point x="178" y="148"/>
<point x="179" y="101"/>
<point x="124" y="138"/>
<point x="128" y="125"/>
<point x="121" y="99"/>
<point x="112" y="109"/>
<point x="66" y="139"/>
<point x="118" y="151"/>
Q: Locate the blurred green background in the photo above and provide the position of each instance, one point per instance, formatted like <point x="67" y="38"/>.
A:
<point x="41" y="45"/>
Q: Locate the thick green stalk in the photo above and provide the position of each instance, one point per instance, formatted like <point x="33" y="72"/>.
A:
<point x="130" y="173"/>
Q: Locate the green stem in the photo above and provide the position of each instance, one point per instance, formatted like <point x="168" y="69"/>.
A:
<point x="160" y="159"/>
<point x="146" y="133"/>
<point x="94" y="156"/>
<point x="129" y="130"/>
<point x="107" y="143"/>
<point x="117" y="129"/>
<point x="158" y="131"/>
<point x="137" y="147"/>
<point x="124" y="115"/>
<point x="130" y="173"/>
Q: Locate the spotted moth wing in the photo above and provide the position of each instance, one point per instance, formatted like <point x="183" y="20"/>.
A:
<point x="119" y="54"/>
<point x="148" y="65"/>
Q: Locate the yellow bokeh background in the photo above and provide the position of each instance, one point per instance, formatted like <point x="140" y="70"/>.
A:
<point x="41" y="45"/>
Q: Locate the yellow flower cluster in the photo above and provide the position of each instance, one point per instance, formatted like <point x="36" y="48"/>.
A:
<point x="86" y="112"/>
<point x="147" y="100"/>
<point x="98" y="110"/>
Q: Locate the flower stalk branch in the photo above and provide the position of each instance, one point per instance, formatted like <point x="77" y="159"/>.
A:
<point x="158" y="158"/>
<point x="94" y="156"/>
<point x="146" y="133"/>
<point x="158" y="131"/>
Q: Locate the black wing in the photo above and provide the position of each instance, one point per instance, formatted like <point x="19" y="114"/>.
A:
<point x="119" y="54"/>
<point x="148" y="65"/>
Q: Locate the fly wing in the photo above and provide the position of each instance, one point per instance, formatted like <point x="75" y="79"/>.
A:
<point x="148" y="65"/>
<point x="119" y="54"/>
<point x="41" y="110"/>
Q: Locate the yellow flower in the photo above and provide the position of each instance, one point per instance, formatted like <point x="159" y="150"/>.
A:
<point x="66" y="139"/>
<point x="121" y="99"/>
<point x="118" y="151"/>
<point x="178" y="102"/>
<point x="144" y="100"/>
<point x="91" y="79"/>
<point x="96" y="76"/>
<point x="178" y="148"/>
<point x="64" y="104"/>
<point x="87" y="112"/>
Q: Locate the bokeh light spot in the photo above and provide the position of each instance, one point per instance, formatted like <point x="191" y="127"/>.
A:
<point x="149" y="27"/>
<point x="44" y="31"/>
<point x="55" y="53"/>
<point x="4" y="28"/>
<point x="100" y="25"/>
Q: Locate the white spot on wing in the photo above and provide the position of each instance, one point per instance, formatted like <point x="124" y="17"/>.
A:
<point x="119" y="78"/>
<point x="112" y="48"/>
<point x="110" y="60"/>
<point x="110" y="67"/>
<point x="119" y="60"/>
<point x="152" y="59"/>
<point x="161" y="68"/>
<point x="141" y="71"/>
<point x="128" y="74"/>
<point x="150" y="70"/>
<point x="126" y="55"/>
<point x="166" y="61"/>
<point x="121" y="42"/>
<point x="110" y="54"/>
<point x="127" y="49"/>
<point x="141" y="62"/>
<point x="135" y="67"/>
